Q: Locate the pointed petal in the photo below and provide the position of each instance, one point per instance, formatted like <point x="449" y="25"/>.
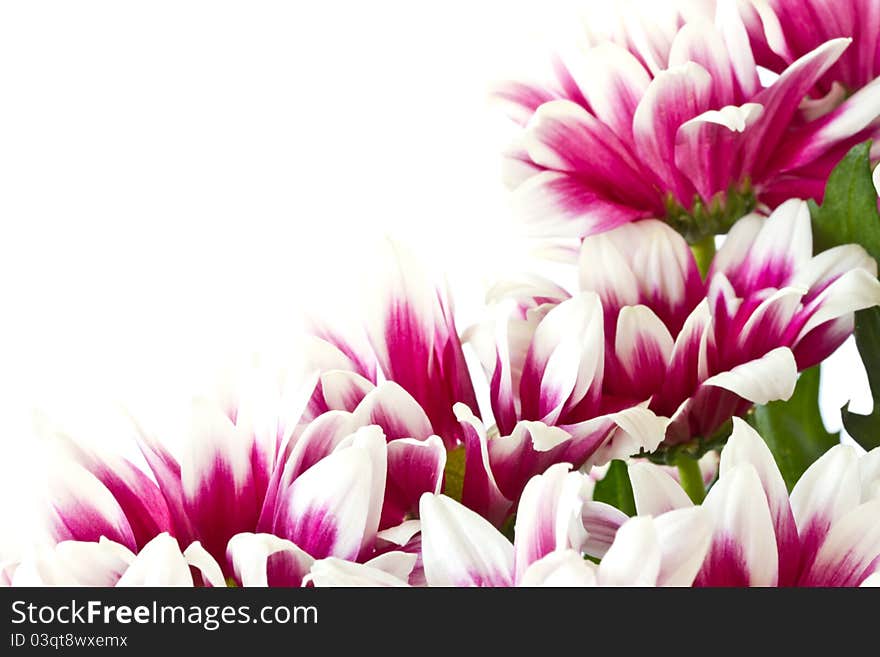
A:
<point x="828" y="490"/>
<point x="564" y="363"/>
<point x="460" y="548"/>
<point x="850" y="551"/>
<point x="552" y="204"/>
<point x="646" y="263"/>
<point x="394" y="409"/>
<point x="613" y="82"/>
<point x="82" y="509"/>
<point x="674" y="96"/>
<point x="564" y="136"/>
<point x="746" y="446"/>
<point x="743" y="550"/>
<point x="344" y="390"/>
<point x="643" y="347"/>
<point x="549" y="515"/>
<point x="159" y="563"/>
<point x="198" y="557"/>
<point x="767" y="257"/>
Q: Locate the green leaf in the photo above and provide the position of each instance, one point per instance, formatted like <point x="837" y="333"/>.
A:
<point x="793" y="429"/>
<point x="866" y="428"/>
<point x="849" y="215"/>
<point x="849" y="210"/>
<point x="615" y="489"/>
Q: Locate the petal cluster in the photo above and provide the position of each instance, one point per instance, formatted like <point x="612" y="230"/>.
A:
<point x="670" y="120"/>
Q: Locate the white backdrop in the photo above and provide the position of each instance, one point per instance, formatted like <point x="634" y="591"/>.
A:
<point x="180" y="180"/>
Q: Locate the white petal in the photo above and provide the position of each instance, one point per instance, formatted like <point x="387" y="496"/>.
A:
<point x="828" y="489"/>
<point x="198" y="557"/>
<point x="634" y="557"/>
<point x="869" y="474"/>
<point x="249" y="555"/>
<point x="396" y="563"/>
<point x="765" y="379"/>
<point x="159" y="563"/>
<point x="460" y="547"/>
<point x="655" y="491"/>
<point x="562" y="568"/>
<point x="744" y="541"/>
<point x="850" y="550"/>
<point x="549" y="515"/>
<point x="337" y="572"/>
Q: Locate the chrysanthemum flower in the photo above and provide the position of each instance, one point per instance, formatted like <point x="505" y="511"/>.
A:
<point x="673" y="123"/>
<point x="824" y="534"/>
<point x="699" y="352"/>
<point x="555" y="415"/>
<point x="341" y="488"/>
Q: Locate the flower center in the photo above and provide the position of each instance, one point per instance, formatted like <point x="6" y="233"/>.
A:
<point x="715" y="217"/>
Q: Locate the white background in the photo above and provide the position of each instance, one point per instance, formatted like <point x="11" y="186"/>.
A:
<point x="179" y="181"/>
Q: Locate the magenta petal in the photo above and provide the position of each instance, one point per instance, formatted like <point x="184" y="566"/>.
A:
<point x="414" y="467"/>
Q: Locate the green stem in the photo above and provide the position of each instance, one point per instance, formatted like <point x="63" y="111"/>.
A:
<point x="704" y="251"/>
<point x="691" y="478"/>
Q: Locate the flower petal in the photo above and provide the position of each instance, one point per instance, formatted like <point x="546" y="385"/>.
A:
<point x="601" y="522"/>
<point x="549" y="515"/>
<point x="461" y="548"/>
<point x="209" y="570"/>
<point x="414" y="467"/>
<point x="562" y="568"/>
<point x="765" y="379"/>
<point x="829" y="489"/>
<point x="564" y="365"/>
<point x="337" y="572"/>
<point x="396" y="411"/>
<point x="634" y="557"/>
<point x="851" y="550"/>
<point x="746" y="446"/>
<point x="684" y="536"/>
<point x="333" y="508"/>
<point x="159" y="563"/>
<point x="655" y="492"/>
<point x="674" y="96"/>
<point x="82" y="509"/>
<point x="743" y="550"/>
<point x="267" y="560"/>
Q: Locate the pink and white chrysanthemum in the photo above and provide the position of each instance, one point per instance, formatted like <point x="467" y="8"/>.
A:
<point x="420" y="352"/>
<point x="697" y="352"/>
<point x="826" y="533"/>
<point x="246" y="484"/>
<point x="460" y="548"/>
<point x="673" y="123"/>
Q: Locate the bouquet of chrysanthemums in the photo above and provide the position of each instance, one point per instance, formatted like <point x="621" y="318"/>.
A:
<point x="704" y="170"/>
